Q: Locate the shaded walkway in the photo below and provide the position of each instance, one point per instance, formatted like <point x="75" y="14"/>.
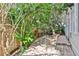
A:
<point x="50" y="46"/>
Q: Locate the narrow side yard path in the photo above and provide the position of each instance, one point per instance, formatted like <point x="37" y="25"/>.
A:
<point x="50" y="46"/>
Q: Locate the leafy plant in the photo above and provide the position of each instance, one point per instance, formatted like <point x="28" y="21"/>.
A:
<point x="26" y="17"/>
<point x="26" y="39"/>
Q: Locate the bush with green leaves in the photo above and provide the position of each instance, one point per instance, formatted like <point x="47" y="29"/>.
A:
<point x="26" y="17"/>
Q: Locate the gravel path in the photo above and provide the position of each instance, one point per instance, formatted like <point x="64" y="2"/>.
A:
<point x="49" y="46"/>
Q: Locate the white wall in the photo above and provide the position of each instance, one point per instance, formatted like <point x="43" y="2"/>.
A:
<point x="72" y="28"/>
<point x="75" y="43"/>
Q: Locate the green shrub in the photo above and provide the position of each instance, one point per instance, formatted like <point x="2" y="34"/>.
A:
<point x="26" y="17"/>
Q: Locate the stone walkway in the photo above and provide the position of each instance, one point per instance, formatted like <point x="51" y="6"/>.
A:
<point x="64" y="46"/>
<point x="49" y="46"/>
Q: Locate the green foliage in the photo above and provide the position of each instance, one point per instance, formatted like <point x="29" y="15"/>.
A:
<point x="26" y="17"/>
<point x="26" y="39"/>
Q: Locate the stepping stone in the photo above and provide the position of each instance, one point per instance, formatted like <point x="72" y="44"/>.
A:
<point x="62" y="40"/>
<point x="65" y="50"/>
<point x="64" y="46"/>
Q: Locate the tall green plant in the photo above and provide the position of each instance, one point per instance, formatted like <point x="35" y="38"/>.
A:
<point x="25" y="17"/>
